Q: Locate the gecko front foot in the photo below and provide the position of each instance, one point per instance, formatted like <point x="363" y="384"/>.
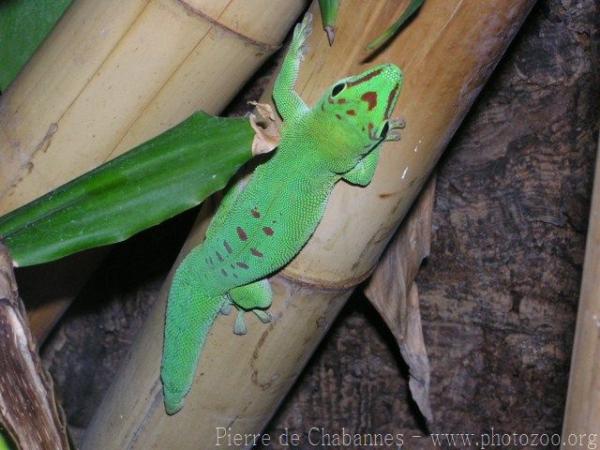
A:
<point x="301" y="33"/>
<point x="395" y="126"/>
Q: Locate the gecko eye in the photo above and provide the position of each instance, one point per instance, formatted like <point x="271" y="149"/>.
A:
<point x="337" y="89"/>
<point x="384" y="130"/>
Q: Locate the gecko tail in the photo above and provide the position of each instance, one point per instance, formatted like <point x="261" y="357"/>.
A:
<point x="190" y="315"/>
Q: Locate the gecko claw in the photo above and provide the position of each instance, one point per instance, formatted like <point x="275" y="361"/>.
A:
<point x="399" y="123"/>
<point x="240" y="327"/>
<point x="226" y="308"/>
<point x="240" y="324"/>
<point x="395" y="125"/>
<point x="263" y="316"/>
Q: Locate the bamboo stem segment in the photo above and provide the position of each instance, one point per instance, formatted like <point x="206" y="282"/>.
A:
<point x="447" y="54"/>
<point x="112" y="75"/>
<point x="116" y="73"/>
<point x="582" y="411"/>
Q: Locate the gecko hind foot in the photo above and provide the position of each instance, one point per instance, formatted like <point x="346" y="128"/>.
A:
<point x="240" y="327"/>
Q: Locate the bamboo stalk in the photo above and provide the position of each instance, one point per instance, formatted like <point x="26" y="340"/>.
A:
<point x="447" y="53"/>
<point x="581" y="426"/>
<point x="116" y="73"/>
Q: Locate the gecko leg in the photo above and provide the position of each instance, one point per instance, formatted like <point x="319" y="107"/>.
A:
<point x="288" y="102"/>
<point x="254" y="297"/>
<point x="363" y="172"/>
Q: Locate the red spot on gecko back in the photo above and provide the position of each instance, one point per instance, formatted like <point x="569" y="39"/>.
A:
<point x="256" y="253"/>
<point x="241" y="233"/>
<point x="351" y="112"/>
<point x="268" y="231"/>
<point x="255" y="213"/>
<point x="371" y="98"/>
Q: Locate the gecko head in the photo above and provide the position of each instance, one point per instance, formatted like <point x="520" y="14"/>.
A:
<point x="357" y="110"/>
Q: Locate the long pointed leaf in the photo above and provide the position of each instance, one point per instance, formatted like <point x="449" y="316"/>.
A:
<point x="147" y="185"/>
<point x="388" y="34"/>
<point x="329" y="13"/>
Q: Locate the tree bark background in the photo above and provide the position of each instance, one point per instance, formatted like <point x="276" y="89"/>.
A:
<point x="498" y="294"/>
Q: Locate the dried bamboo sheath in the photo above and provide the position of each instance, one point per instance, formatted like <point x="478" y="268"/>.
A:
<point x="447" y="53"/>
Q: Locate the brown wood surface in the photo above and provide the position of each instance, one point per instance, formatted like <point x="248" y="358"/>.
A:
<point x="29" y="413"/>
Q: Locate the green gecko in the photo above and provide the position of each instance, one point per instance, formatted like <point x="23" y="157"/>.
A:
<point x="259" y="228"/>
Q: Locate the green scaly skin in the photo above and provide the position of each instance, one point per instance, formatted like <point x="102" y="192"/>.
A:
<point x="261" y="227"/>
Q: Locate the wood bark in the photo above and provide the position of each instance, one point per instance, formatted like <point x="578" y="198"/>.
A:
<point x="28" y="409"/>
<point x="447" y="53"/>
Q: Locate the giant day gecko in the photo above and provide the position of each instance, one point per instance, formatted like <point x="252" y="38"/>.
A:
<point x="259" y="228"/>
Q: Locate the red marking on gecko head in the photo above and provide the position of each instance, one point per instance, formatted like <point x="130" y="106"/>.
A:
<point x="268" y="231"/>
<point x="341" y="101"/>
<point x="367" y="77"/>
<point x="351" y="112"/>
<point x="242" y="265"/>
<point x="371" y="98"/>
<point x="256" y="253"/>
<point x="338" y="117"/>
<point x="224" y="272"/>
<point x="241" y="233"/>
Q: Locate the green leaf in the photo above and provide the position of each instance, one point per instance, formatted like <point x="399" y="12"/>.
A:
<point x="23" y="26"/>
<point x="388" y="34"/>
<point x="5" y="443"/>
<point x="161" y="178"/>
<point x="329" y="13"/>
